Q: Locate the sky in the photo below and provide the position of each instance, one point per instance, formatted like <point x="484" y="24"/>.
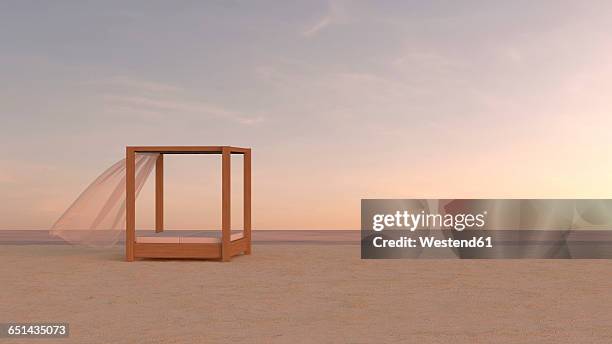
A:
<point x="339" y="100"/>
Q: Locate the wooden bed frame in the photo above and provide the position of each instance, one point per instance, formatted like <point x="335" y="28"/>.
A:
<point x="187" y="247"/>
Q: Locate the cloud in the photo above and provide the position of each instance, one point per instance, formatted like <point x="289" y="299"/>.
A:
<point x="154" y="100"/>
<point x="336" y="14"/>
<point x="172" y="106"/>
<point x="431" y="60"/>
<point x="318" y="26"/>
<point x="137" y="84"/>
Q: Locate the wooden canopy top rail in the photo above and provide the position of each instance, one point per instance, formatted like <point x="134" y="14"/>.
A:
<point x="188" y="149"/>
<point x="178" y="247"/>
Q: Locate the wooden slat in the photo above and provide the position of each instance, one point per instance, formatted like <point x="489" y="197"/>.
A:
<point x="239" y="246"/>
<point x="171" y="250"/>
<point x="238" y="150"/>
<point x="247" y="199"/>
<point x="179" y="149"/>
<point x="159" y="194"/>
<point x="226" y="205"/>
<point x="130" y="204"/>
<point x="189" y="149"/>
<point x="157" y="240"/>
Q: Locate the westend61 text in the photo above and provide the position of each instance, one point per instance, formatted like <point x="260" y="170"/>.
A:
<point x="432" y="242"/>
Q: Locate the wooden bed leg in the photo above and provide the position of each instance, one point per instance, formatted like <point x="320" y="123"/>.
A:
<point x="226" y="204"/>
<point x="247" y="200"/>
<point x="130" y="204"/>
<point x="159" y="194"/>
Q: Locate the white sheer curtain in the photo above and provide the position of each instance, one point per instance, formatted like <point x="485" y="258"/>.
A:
<point x="97" y="217"/>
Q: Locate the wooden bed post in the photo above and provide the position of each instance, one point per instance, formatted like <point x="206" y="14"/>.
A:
<point x="226" y="205"/>
<point x="159" y="194"/>
<point x="247" y="199"/>
<point x="130" y="203"/>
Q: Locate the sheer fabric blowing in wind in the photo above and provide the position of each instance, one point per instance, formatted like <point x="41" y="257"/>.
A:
<point x="97" y="216"/>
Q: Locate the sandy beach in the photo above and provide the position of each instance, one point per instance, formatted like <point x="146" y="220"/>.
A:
<point x="305" y="293"/>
